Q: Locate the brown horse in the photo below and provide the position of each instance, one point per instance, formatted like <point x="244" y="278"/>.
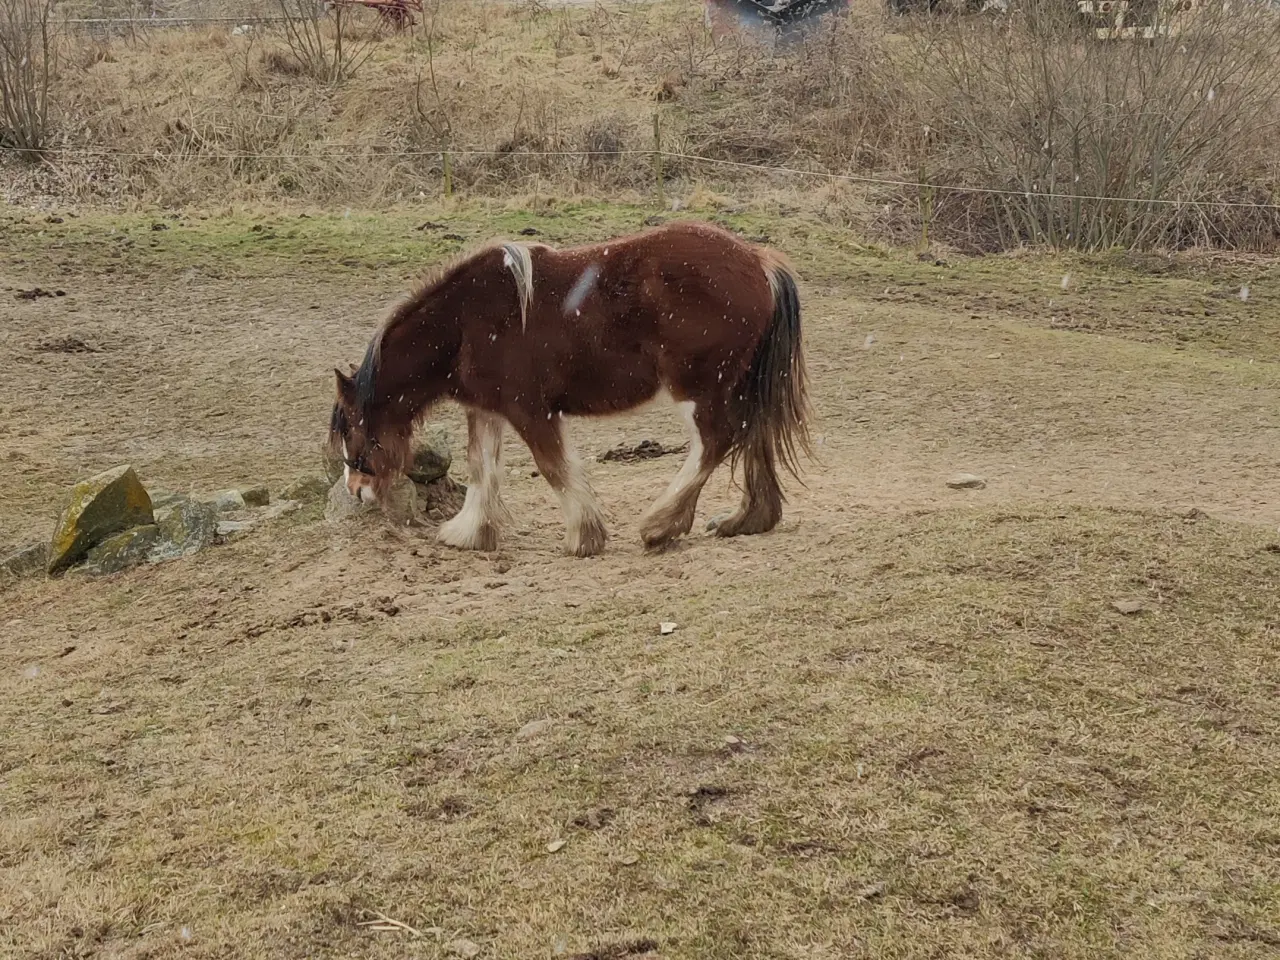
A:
<point x="524" y="334"/>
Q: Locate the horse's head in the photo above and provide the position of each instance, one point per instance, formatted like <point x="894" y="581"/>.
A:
<point x="373" y="451"/>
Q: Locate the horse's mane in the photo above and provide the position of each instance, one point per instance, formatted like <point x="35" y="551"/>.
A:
<point x="429" y="282"/>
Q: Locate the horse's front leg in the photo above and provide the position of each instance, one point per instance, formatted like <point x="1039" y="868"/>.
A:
<point x="477" y="524"/>
<point x="585" y="533"/>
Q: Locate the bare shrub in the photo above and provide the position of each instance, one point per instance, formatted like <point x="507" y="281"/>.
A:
<point x="1076" y="128"/>
<point x="28" y="61"/>
<point x="328" y="45"/>
<point x="1050" y="130"/>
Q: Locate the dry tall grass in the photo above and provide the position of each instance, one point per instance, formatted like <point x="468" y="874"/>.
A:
<point x="526" y="98"/>
<point x="1038" y="106"/>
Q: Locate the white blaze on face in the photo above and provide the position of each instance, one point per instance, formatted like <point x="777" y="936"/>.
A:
<point x="346" y="467"/>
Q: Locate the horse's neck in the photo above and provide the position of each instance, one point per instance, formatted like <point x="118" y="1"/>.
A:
<point x="419" y="354"/>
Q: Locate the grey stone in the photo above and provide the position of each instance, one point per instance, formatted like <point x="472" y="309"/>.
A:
<point x="123" y="551"/>
<point x="227" y="500"/>
<point x="966" y="481"/>
<point x="341" y="505"/>
<point x="256" y="496"/>
<point x="1129" y="607"/>
<point x="234" y="528"/>
<point x="307" y="489"/>
<point x="166" y="498"/>
<point x="189" y="526"/>
<point x="98" y="508"/>
<point x="279" y="509"/>
<point x="533" y="728"/>
<point x="400" y="505"/>
<point x="431" y="458"/>
<point x="26" y="562"/>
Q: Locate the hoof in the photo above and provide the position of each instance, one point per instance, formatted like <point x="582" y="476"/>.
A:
<point x="483" y="537"/>
<point x="588" y="540"/>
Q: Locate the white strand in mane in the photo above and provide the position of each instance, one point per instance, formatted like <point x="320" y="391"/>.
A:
<point x="517" y="259"/>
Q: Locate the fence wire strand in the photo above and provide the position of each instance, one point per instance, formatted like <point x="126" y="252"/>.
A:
<point x="360" y="151"/>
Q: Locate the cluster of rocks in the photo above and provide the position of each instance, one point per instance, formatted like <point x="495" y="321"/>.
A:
<point x="111" y="522"/>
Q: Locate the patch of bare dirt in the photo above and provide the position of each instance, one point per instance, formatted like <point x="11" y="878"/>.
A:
<point x="919" y="707"/>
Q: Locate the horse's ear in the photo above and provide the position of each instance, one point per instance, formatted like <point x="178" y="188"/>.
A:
<point x="346" y="386"/>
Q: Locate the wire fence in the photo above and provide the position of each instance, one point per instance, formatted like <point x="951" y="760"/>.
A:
<point x="659" y="157"/>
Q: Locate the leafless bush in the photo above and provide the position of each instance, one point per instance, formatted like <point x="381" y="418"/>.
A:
<point x="1096" y="140"/>
<point x="324" y="39"/>
<point x="28" y="60"/>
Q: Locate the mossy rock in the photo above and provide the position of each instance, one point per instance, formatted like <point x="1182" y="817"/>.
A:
<point x="188" y="526"/>
<point x="431" y="458"/>
<point x="98" y="508"/>
<point x="123" y="551"/>
<point x="256" y="496"/>
<point x="307" y="489"/>
<point x="27" y="562"/>
<point x="228" y="501"/>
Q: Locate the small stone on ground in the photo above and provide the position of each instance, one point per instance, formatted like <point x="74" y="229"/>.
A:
<point x="1129" y="607"/>
<point x="966" y="481"/>
<point x="308" y="489"/>
<point x="26" y="562"/>
<point x="256" y="496"/>
<point x="228" y="500"/>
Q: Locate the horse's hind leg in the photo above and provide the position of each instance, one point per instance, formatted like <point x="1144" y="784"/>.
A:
<point x="671" y="515"/>
<point x="476" y="525"/>
<point x="761" y="506"/>
<point x="585" y="533"/>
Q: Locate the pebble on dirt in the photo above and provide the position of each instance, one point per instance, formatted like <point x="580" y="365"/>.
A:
<point x="98" y="508"/>
<point x="966" y="481"/>
<point x="1128" y="607"/>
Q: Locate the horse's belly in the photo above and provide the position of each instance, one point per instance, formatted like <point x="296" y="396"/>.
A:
<point x="609" y="383"/>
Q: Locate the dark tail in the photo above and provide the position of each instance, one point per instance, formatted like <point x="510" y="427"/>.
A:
<point x="773" y="423"/>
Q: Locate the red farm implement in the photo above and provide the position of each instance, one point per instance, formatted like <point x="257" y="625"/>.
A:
<point x="396" y="13"/>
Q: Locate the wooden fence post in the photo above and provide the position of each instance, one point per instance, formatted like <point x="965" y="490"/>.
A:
<point x="657" y="158"/>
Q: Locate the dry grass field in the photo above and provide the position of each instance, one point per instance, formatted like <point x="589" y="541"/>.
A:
<point x="908" y="723"/>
